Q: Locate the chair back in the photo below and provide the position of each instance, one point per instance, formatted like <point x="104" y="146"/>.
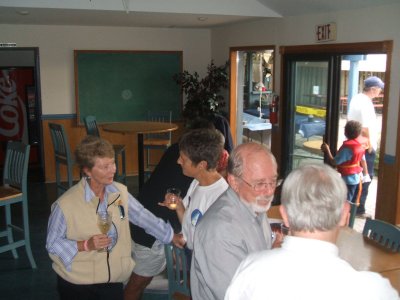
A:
<point x="385" y="234"/>
<point x="159" y="116"/>
<point x="62" y="155"/>
<point x="60" y="142"/>
<point x="16" y="165"/>
<point x="91" y="126"/>
<point x="177" y="269"/>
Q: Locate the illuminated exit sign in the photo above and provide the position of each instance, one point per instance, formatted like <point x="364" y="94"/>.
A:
<point x="325" y="32"/>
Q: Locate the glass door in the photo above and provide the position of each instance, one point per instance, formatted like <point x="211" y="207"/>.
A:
<point x="309" y="122"/>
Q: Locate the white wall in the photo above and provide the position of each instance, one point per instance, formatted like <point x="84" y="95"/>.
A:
<point x="56" y="45"/>
<point x="364" y="25"/>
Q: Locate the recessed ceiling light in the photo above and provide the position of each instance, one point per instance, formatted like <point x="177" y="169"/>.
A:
<point x="23" y="12"/>
<point x="202" y="19"/>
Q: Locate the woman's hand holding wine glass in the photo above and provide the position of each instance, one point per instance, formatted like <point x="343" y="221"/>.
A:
<point x="104" y="221"/>
<point x="172" y="198"/>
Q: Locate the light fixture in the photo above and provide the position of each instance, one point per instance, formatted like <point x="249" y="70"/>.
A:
<point x="23" y="12"/>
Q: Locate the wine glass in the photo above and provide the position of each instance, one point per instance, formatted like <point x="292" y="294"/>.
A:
<point x="104" y="221"/>
<point x="172" y="195"/>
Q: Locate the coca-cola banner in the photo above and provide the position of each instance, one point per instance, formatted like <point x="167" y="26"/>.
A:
<point x="13" y="119"/>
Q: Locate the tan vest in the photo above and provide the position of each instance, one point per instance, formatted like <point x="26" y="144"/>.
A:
<point x="81" y="219"/>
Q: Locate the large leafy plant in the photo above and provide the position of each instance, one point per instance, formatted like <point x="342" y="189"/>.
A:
<point x="203" y="95"/>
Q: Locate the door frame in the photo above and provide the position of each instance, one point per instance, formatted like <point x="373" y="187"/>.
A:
<point x="332" y="114"/>
<point x="387" y="206"/>
<point x="36" y="75"/>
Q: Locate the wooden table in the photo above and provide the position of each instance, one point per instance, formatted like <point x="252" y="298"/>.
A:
<point x="8" y="193"/>
<point x="366" y="255"/>
<point x="361" y="253"/>
<point x="314" y="146"/>
<point x="140" y="128"/>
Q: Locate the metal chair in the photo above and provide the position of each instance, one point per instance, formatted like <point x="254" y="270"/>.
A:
<point x="62" y="156"/>
<point x="154" y="141"/>
<point x="119" y="150"/>
<point x="13" y="191"/>
<point x="386" y="234"/>
<point x="177" y="270"/>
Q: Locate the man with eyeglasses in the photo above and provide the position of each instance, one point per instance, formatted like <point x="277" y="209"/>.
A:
<point x="308" y="266"/>
<point x="362" y="109"/>
<point x="236" y="224"/>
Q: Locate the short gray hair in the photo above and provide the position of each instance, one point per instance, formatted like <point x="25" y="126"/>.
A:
<point x="203" y="144"/>
<point x="313" y="196"/>
<point x="239" y="153"/>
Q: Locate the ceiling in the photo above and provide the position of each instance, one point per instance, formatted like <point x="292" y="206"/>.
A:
<point x="165" y="13"/>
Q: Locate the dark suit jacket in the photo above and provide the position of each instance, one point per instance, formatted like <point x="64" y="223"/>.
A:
<point x="167" y="174"/>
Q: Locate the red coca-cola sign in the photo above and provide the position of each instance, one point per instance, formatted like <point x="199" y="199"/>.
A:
<point x="13" y="120"/>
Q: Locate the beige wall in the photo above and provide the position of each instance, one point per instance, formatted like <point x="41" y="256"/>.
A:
<point x="56" y="45"/>
<point x="364" y="25"/>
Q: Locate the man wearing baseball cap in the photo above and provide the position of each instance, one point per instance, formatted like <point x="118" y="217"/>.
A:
<point x="362" y="109"/>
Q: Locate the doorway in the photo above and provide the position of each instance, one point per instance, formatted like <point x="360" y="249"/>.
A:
<point x="20" y="105"/>
<point x="318" y="84"/>
<point x="251" y="93"/>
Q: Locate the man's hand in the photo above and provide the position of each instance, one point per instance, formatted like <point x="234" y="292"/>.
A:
<point x="278" y="239"/>
<point x="178" y="240"/>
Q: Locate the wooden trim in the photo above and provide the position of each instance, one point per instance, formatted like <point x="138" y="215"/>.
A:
<point x="253" y="48"/>
<point x="77" y="133"/>
<point x="233" y="95"/>
<point x="347" y="48"/>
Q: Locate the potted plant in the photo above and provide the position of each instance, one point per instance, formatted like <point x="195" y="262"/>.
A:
<point x="203" y="98"/>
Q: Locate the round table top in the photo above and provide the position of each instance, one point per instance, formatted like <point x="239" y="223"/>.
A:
<point x="314" y="146"/>
<point x="140" y="127"/>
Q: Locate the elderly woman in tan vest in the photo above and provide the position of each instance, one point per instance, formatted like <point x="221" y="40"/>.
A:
<point x="91" y="264"/>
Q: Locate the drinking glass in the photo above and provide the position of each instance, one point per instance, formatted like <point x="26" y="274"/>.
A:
<point x="173" y="195"/>
<point x="104" y="221"/>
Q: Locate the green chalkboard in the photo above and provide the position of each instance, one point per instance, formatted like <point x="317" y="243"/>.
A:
<point x="123" y="85"/>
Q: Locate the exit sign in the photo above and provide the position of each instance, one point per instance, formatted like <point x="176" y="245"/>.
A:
<point x="325" y="32"/>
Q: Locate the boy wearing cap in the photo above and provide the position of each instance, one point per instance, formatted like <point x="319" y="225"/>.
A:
<point x="362" y="109"/>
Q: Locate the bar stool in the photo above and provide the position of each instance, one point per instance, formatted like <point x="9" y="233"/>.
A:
<point x="62" y="156"/>
<point x="119" y="150"/>
<point x="13" y="191"/>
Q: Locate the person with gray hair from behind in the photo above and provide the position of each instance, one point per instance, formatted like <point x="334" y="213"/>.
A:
<point x="308" y="266"/>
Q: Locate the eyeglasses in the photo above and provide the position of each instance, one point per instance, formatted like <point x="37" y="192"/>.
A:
<point x="260" y="186"/>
